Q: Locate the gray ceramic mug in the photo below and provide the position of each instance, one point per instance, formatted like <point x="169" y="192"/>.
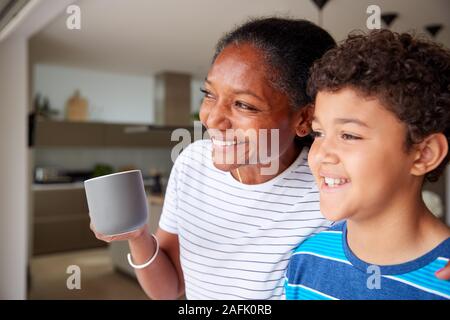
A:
<point x="117" y="202"/>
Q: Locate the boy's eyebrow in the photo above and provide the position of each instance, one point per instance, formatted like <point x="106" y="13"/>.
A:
<point x="344" y="121"/>
<point x="241" y="91"/>
<point x="351" y="120"/>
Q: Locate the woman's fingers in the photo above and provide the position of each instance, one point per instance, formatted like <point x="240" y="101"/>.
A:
<point x="121" y="237"/>
<point x="444" y="273"/>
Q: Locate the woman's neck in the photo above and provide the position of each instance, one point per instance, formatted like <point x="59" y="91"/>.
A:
<point x="254" y="174"/>
<point x="403" y="232"/>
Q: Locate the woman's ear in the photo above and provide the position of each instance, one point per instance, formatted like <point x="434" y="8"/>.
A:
<point x="303" y="121"/>
<point x="429" y="154"/>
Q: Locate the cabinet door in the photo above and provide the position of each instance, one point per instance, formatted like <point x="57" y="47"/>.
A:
<point x="61" y="222"/>
<point x="90" y="134"/>
<point x="138" y="136"/>
<point x="64" y="133"/>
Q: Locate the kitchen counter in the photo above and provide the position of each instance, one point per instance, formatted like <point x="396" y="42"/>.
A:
<point x="56" y="186"/>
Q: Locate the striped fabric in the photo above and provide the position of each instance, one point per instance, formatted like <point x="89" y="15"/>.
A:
<point x="324" y="268"/>
<point x="235" y="239"/>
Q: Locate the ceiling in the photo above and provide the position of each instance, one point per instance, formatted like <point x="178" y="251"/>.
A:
<point x="149" y="36"/>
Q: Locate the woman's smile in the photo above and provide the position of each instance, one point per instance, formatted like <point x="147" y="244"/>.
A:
<point x="229" y="151"/>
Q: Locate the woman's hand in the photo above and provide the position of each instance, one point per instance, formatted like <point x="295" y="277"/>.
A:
<point x="132" y="235"/>
<point x="444" y="273"/>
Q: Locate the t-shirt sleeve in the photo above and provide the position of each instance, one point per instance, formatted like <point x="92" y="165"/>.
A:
<point x="169" y="216"/>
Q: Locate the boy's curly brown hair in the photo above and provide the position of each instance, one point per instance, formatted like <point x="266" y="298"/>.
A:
<point x="408" y="75"/>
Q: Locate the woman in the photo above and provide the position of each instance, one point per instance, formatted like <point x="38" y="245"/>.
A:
<point x="228" y="227"/>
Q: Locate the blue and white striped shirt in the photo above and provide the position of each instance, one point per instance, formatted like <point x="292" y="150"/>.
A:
<point x="324" y="268"/>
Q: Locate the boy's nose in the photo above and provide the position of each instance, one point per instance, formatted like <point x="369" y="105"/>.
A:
<point x="324" y="152"/>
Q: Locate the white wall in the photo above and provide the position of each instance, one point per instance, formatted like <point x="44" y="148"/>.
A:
<point x="111" y="97"/>
<point x="14" y="193"/>
<point x="13" y="168"/>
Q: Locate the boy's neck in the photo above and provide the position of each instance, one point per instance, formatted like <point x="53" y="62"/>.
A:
<point x="401" y="233"/>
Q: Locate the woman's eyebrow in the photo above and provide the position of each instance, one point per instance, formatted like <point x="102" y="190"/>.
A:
<point x="247" y="92"/>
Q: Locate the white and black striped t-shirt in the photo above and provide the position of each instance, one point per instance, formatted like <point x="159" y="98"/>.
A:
<point x="236" y="239"/>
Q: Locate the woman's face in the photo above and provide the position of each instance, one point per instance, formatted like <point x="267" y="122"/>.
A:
<point x="239" y="104"/>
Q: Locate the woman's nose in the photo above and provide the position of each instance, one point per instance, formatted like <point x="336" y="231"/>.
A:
<point x="219" y="117"/>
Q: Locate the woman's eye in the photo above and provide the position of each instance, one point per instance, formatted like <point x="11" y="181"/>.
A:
<point x="347" y="136"/>
<point x="244" y="106"/>
<point x="316" y="134"/>
<point x="207" y="94"/>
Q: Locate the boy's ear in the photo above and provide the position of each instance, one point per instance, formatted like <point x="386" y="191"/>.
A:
<point x="303" y="121"/>
<point x="429" y="154"/>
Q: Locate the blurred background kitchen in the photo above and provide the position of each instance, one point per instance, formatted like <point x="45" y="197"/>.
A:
<point x="75" y="104"/>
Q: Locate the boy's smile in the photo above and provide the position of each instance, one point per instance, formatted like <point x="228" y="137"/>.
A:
<point x="359" y="158"/>
<point x="330" y="182"/>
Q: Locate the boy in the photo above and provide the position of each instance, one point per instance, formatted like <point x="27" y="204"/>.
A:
<point x="381" y="126"/>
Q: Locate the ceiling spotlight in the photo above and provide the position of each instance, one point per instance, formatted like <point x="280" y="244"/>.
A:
<point x="388" y="18"/>
<point x="433" y="29"/>
<point x="320" y="3"/>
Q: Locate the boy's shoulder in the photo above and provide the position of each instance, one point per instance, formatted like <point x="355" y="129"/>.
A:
<point x="443" y="250"/>
<point x="326" y="244"/>
<point x="338" y="226"/>
<point x="332" y="234"/>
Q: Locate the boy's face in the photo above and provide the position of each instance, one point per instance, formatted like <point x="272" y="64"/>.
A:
<point x="358" y="156"/>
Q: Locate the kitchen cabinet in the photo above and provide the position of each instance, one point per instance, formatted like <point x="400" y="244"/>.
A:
<point x="97" y="134"/>
<point x="61" y="221"/>
<point x="138" y="136"/>
<point x="65" y="133"/>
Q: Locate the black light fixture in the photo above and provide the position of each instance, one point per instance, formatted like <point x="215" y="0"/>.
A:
<point x="434" y="29"/>
<point x="320" y="4"/>
<point x="388" y="18"/>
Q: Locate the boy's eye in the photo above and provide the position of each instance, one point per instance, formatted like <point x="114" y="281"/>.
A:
<point x="207" y="94"/>
<point x="347" y="136"/>
<point x="316" y="134"/>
